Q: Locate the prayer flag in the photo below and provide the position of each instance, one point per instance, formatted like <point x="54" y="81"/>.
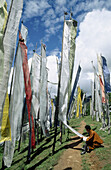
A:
<point x="67" y="64"/>
<point x="106" y="74"/>
<point x="5" y="127"/>
<point x="79" y="102"/>
<point x="43" y="87"/>
<point x="28" y="91"/>
<point x="74" y="87"/>
<point x="9" y="44"/>
<point x="102" y="89"/>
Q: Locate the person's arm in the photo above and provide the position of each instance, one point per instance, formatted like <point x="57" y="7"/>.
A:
<point x="90" y="137"/>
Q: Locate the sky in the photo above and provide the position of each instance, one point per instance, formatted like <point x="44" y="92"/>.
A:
<point x="44" y="20"/>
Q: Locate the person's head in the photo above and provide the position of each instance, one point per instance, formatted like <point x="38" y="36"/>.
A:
<point x="88" y="128"/>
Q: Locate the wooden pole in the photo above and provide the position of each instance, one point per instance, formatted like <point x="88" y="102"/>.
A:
<point x="58" y="94"/>
<point x="61" y="132"/>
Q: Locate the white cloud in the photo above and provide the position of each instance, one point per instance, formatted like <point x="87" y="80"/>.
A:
<point x="60" y="2"/>
<point x="94" y="37"/>
<point x="53" y="29"/>
<point x="35" y="8"/>
<point x="55" y="52"/>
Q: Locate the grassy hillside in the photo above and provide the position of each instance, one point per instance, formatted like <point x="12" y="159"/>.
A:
<point x="42" y="157"/>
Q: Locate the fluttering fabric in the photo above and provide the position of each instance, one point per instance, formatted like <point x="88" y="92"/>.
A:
<point x="9" y="44"/>
<point x="102" y="89"/>
<point x="43" y="88"/>
<point x="74" y="131"/>
<point x="99" y="59"/>
<point x="5" y="126"/>
<point x="74" y="87"/>
<point x="106" y="74"/>
<point x="16" y="106"/>
<point x="36" y="62"/>
<point x="16" y="103"/>
<point x="79" y="102"/>
<point x="96" y="93"/>
<point x="72" y="46"/>
<point x="99" y="101"/>
<point x="101" y="77"/>
<point x="67" y="63"/>
<point x="28" y="90"/>
<point x="3" y="19"/>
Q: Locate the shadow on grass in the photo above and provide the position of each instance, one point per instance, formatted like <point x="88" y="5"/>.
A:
<point x="39" y="151"/>
<point x="39" y="163"/>
<point x="15" y="162"/>
<point x="69" y="146"/>
<point x="80" y="149"/>
<point x="75" y="138"/>
<point x="47" y="140"/>
<point x="42" y="149"/>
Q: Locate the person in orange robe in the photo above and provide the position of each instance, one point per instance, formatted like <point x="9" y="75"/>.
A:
<point x="92" y="141"/>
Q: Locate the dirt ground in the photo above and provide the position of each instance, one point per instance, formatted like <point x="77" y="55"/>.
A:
<point x="71" y="159"/>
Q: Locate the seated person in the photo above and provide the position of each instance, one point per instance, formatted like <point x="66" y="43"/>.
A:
<point x="92" y="141"/>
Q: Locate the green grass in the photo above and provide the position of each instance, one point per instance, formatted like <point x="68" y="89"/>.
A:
<point x="103" y="153"/>
<point x="42" y="158"/>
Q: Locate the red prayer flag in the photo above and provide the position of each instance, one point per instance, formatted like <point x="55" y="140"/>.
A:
<point x="102" y="88"/>
<point x="28" y="91"/>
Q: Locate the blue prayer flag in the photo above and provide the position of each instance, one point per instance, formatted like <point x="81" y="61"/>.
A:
<point x="106" y="74"/>
<point x="74" y="87"/>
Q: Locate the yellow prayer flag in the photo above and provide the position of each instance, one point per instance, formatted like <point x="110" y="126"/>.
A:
<point x="5" y="15"/>
<point x="79" y="102"/>
<point x="5" y="127"/>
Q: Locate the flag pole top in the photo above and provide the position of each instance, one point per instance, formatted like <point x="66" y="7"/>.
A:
<point x="41" y="42"/>
<point x="100" y="54"/>
<point x="71" y="14"/>
<point x="65" y="13"/>
<point x="35" y="48"/>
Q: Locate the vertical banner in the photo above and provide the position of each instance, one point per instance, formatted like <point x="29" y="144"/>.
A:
<point x="36" y="61"/>
<point x="43" y="88"/>
<point x="74" y="87"/>
<point x="79" y="102"/>
<point x="9" y="44"/>
<point x="71" y="53"/>
<point x="102" y="90"/>
<point x="3" y="19"/>
<point x="16" y="105"/>
<point x="28" y="90"/>
<point x="5" y="127"/>
<point x="67" y="64"/>
<point x="106" y="74"/>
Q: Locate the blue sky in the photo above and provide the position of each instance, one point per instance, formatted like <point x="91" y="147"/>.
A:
<point x="44" y="20"/>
